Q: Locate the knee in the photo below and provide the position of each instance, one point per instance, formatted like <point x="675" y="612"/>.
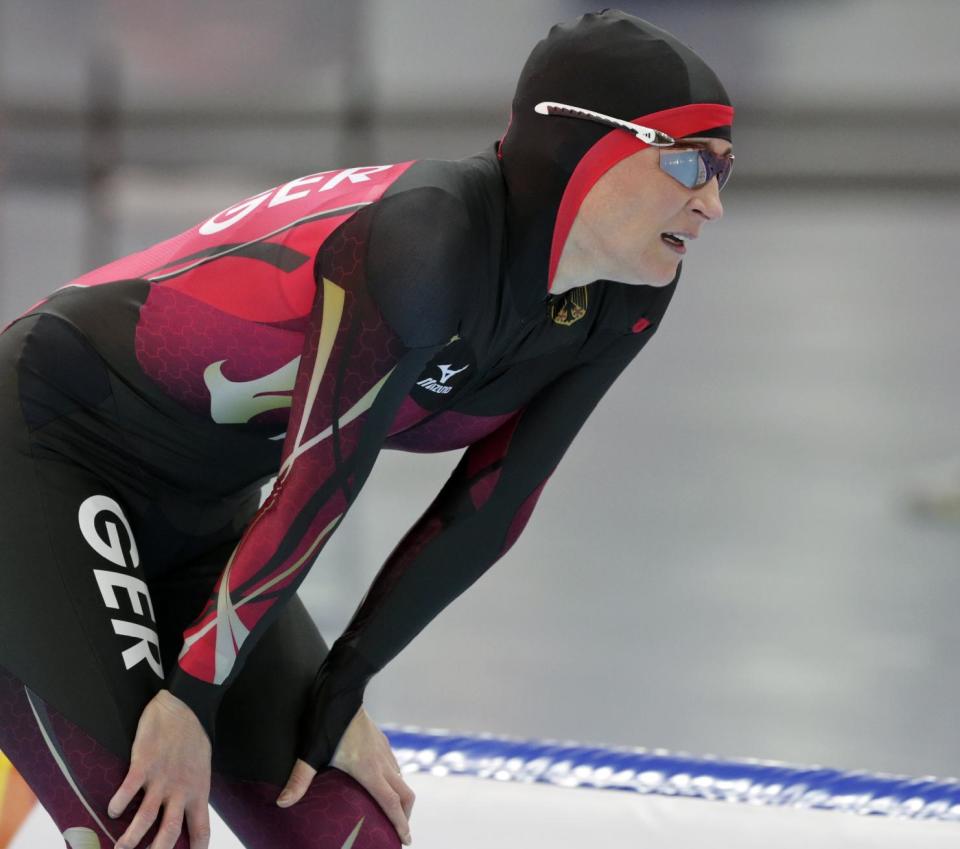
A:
<point x="335" y="813"/>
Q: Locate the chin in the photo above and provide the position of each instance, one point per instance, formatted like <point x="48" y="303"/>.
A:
<point x="662" y="276"/>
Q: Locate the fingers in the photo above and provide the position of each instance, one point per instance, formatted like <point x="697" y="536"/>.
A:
<point x="198" y="826"/>
<point x="297" y="784"/>
<point x="140" y="825"/>
<point x="170" y="828"/>
<point x="391" y="793"/>
<point x="389" y="800"/>
<point x="127" y="790"/>
<point x="404" y="793"/>
<point x="396" y="781"/>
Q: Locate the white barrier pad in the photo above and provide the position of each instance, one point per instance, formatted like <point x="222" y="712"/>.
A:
<point x="474" y="813"/>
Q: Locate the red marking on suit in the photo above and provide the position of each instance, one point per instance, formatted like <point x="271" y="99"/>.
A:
<point x="446" y="431"/>
<point x="262" y="220"/>
<point x="522" y="517"/>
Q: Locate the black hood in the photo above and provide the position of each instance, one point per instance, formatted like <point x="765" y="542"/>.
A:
<point x="608" y="62"/>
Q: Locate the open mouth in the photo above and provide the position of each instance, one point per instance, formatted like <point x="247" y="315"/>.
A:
<point x="675" y="241"/>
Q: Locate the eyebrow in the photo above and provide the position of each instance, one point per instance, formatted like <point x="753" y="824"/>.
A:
<point x="701" y="145"/>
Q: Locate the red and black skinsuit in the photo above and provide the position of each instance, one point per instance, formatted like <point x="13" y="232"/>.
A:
<point x="297" y="334"/>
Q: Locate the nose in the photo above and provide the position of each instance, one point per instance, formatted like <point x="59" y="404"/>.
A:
<point x="706" y="201"/>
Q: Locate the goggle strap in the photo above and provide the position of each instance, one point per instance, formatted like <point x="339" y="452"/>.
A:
<point x="652" y="137"/>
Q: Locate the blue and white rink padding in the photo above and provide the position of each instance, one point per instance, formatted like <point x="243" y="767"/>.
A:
<point x="485" y="792"/>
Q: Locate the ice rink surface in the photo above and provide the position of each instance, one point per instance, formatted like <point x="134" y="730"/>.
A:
<point x="471" y="813"/>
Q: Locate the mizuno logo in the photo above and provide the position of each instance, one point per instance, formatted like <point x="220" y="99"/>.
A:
<point x="446" y="372"/>
<point x="236" y="402"/>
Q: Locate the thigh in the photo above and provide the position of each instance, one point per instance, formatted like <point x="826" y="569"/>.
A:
<point x="72" y="774"/>
<point x="257" y="732"/>
<point x="76" y="621"/>
<point x="335" y="813"/>
<point x="259" y="718"/>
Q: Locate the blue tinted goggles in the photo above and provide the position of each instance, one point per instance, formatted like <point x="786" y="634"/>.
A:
<point x="693" y="167"/>
<point x="696" y="167"/>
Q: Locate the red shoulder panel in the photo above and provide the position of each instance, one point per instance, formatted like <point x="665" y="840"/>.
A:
<point x="254" y="260"/>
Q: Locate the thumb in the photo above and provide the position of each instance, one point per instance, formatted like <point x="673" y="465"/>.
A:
<point x="297" y="784"/>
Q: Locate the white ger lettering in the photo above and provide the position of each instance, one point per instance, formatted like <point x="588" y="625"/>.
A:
<point x="110" y="548"/>
<point x="146" y="648"/>
<point x="109" y="582"/>
<point x="285" y="193"/>
<point x="100" y="520"/>
<point x="233" y="214"/>
<point x="354" y="175"/>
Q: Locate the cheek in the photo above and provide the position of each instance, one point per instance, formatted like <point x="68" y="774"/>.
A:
<point x="658" y="204"/>
<point x="670" y="200"/>
<point x="628" y="215"/>
<point x="651" y="218"/>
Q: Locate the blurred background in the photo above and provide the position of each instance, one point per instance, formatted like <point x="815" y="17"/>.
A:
<point x="753" y="549"/>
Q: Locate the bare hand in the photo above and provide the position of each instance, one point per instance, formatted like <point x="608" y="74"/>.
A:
<point x="365" y="754"/>
<point x="170" y="762"/>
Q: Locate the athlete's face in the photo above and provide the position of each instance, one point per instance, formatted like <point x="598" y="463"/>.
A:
<point x="620" y="232"/>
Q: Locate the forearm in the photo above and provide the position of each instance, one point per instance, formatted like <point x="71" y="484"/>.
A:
<point x="445" y="552"/>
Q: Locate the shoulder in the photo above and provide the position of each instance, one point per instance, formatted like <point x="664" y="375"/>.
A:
<point x="431" y="247"/>
<point x="421" y="226"/>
